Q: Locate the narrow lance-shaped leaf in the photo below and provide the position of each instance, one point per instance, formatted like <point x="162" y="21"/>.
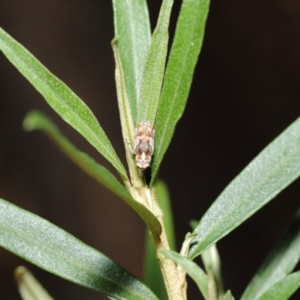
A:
<point x="56" y="251"/>
<point x="64" y="101"/>
<point x="132" y="29"/>
<point x="283" y="289"/>
<point x="279" y="263"/>
<point x="277" y="166"/>
<point x="212" y="262"/>
<point x="227" y="296"/>
<point x="183" y="57"/>
<point x="29" y="287"/>
<point x="37" y="120"/>
<point x="165" y="204"/>
<point x="155" y="66"/>
<point x="192" y="269"/>
<point x="126" y="118"/>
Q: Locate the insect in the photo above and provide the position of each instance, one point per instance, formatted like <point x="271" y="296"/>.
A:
<point x="143" y="144"/>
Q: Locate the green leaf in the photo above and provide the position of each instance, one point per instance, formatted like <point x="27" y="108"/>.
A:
<point x="192" y="269"/>
<point x="153" y="276"/>
<point x="184" y="53"/>
<point x="165" y="205"/>
<point x="37" y="120"/>
<point x="283" y="289"/>
<point x="193" y="224"/>
<point x="277" y="166"/>
<point x="212" y="262"/>
<point x="56" y="251"/>
<point x="227" y="296"/>
<point x="155" y="66"/>
<point x="126" y="119"/>
<point x="65" y="102"/>
<point x="29" y="287"/>
<point x="132" y="29"/>
<point x="279" y="263"/>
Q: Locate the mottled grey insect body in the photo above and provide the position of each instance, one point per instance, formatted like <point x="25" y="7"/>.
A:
<point x="143" y="144"/>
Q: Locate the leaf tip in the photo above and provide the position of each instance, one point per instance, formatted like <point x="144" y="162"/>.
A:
<point x="19" y="273"/>
<point x="33" y="120"/>
<point x="29" y="122"/>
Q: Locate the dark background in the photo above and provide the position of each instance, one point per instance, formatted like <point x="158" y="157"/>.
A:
<point x="245" y="92"/>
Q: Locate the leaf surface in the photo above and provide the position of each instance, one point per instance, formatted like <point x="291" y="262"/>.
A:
<point x="277" y="166"/>
<point x="192" y="269"/>
<point x="132" y="30"/>
<point x="155" y="66"/>
<point x="37" y="121"/>
<point x="283" y="289"/>
<point x="279" y="263"/>
<point x="183" y="57"/>
<point x="61" y="98"/>
<point x="56" y="251"/>
<point x="29" y="287"/>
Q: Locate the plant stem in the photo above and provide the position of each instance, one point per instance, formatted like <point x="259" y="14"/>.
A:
<point x="175" y="284"/>
<point x="174" y="279"/>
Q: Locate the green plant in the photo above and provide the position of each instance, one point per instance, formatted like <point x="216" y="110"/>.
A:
<point x="147" y="90"/>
